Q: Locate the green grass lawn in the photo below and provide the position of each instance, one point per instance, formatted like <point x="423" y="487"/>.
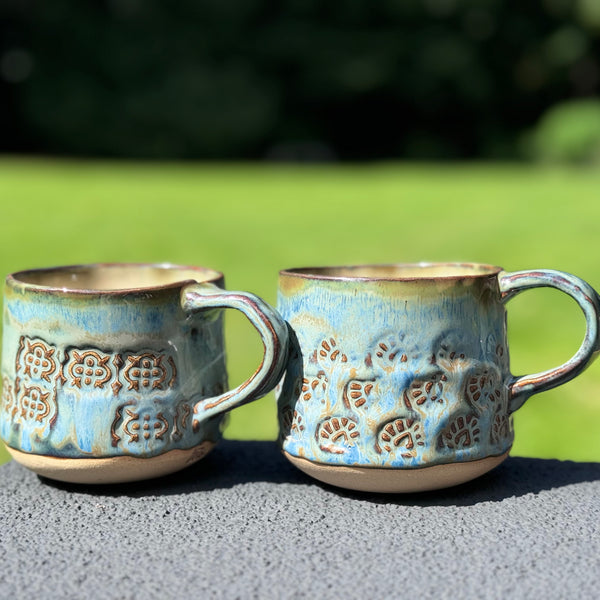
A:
<point x="252" y="220"/>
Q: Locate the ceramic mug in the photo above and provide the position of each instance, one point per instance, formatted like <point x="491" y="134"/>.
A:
<point x="117" y="372"/>
<point x="398" y="378"/>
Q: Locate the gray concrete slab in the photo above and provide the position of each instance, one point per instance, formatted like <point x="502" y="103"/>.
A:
<point x="245" y="524"/>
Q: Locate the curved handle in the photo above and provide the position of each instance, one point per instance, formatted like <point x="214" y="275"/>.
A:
<point x="272" y="330"/>
<point x="511" y="284"/>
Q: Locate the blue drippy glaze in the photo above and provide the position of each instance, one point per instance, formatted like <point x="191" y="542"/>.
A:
<point x="403" y="367"/>
<point x="117" y="376"/>
<point x="95" y="373"/>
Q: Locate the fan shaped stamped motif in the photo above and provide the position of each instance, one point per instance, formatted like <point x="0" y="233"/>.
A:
<point x="501" y="428"/>
<point x="484" y="389"/>
<point x="336" y="434"/>
<point x="463" y="432"/>
<point x="400" y="435"/>
<point x="426" y="391"/>
<point x="329" y="353"/>
<point x="291" y="421"/>
<point x="357" y="393"/>
<point x="314" y="386"/>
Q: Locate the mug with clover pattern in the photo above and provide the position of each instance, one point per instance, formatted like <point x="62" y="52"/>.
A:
<point x="398" y="378"/>
<point x="117" y="373"/>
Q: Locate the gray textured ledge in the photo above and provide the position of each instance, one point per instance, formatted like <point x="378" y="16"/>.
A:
<point x="245" y="524"/>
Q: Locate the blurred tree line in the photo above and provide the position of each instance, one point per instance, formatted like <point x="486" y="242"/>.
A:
<point x="297" y="79"/>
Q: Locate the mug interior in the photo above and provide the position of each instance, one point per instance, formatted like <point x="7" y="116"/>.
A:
<point x="114" y="277"/>
<point x="397" y="272"/>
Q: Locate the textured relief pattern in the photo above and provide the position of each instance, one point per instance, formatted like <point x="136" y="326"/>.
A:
<point x="150" y="424"/>
<point x="36" y="360"/>
<point x="88" y="369"/>
<point x="463" y="432"/>
<point x="336" y="434"/>
<point x="314" y="387"/>
<point x="149" y="371"/>
<point x="357" y="393"/>
<point x="31" y="398"/>
<point x="427" y="391"/>
<point x="399" y="403"/>
<point x="329" y="353"/>
<point x="42" y="372"/>
<point x="403" y="436"/>
<point x="9" y="402"/>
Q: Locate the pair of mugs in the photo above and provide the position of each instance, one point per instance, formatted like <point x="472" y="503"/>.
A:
<point x="391" y="378"/>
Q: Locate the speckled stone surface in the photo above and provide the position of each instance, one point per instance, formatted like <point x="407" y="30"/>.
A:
<point x="245" y="524"/>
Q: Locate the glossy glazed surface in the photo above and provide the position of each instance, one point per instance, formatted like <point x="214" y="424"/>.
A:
<point x="398" y="373"/>
<point x="112" y="362"/>
<point x="87" y="373"/>
<point x="406" y="366"/>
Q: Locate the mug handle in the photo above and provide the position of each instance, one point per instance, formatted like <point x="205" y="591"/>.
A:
<point x="511" y="284"/>
<point x="273" y="332"/>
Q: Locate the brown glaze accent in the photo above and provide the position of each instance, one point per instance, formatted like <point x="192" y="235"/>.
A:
<point x="357" y="392"/>
<point x="144" y="369"/>
<point x="463" y="432"/>
<point x="431" y="389"/>
<point x="118" y="415"/>
<point x="118" y="363"/>
<point x="89" y="366"/>
<point x="173" y="370"/>
<point x="335" y="430"/>
<point x="401" y="432"/>
<point x="37" y="357"/>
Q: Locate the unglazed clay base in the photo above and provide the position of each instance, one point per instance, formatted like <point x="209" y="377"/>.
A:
<point x="118" y="469"/>
<point x="394" y="481"/>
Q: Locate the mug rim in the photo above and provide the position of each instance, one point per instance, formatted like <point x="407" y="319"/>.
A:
<point x="14" y="280"/>
<point x="464" y="270"/>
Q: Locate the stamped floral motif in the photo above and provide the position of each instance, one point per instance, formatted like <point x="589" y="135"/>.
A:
<point x="386" y="352"/>
<point x="329" y="353"/>
<point x="501" y="428"/>
<point x="463" y="432"/>
<point x="134" y="426"/>
<point x="36" y="359"/>
<point x="357" y="393"/>
<point x="35" y="404"/>
<point x="314" y="386"/>
<point x="452" y="351"/>
<point x="88" y="369"/>
<point x="401" y="435"/>
<point x="337" y="434"/>
<point x="428" y="391"/>
<point x="484" y="388"/>
<point x="149" y="370"/>
<point x="291" y="421"/>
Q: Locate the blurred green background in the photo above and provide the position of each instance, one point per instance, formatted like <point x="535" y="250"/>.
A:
<point x="253" y="136"/>
<point x="251" y="220"/>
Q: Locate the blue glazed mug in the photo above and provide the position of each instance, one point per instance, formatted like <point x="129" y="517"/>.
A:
<point x="398" y="378"/>
<point x="117" y="372"/>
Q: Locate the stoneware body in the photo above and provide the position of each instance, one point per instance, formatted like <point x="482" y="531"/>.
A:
<point x="398" y="377"/>
<point x="117" y="372"/>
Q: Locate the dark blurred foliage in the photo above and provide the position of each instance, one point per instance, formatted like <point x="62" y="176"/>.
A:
<point x="348" y="79"/>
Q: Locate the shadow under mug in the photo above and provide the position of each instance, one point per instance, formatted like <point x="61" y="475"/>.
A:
<point x="398" y="378"/>
<point x="117" y="372"/>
